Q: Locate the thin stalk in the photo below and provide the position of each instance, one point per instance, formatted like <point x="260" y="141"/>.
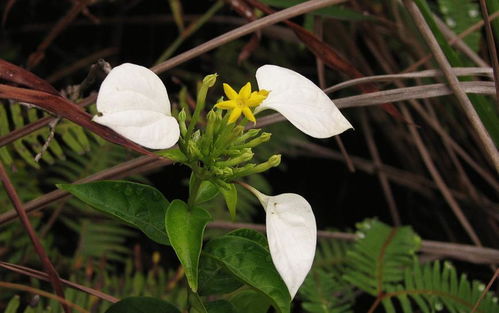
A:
<point x="193" y="189"/>
<point x="191" y="29"/>
<point x="44" y="294"/>
<point x="489" y="36"/>
<point x="47" y="265"/>
<point x="484" y="139"/>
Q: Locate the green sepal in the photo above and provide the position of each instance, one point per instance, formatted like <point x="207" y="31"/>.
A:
<point x="229" y="192"/>
<point x="206" y="191"/>
<point x="173" y="154"/>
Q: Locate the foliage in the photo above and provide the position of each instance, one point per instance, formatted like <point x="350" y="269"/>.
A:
<point x="459" y="15"/>
<point x="68" y="135"/>
<point x="383" y="264"/>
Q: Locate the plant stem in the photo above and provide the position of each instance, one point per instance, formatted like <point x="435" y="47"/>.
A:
<point x="47" y="265"/>
<point x="193" y="189"/>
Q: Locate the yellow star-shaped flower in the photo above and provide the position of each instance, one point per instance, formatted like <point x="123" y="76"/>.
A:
<point x="241" y="102"/>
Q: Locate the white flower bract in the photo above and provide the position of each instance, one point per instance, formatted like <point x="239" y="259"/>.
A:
<point x="292" y="236"/>
<point x="298" y="99"/>
<point x="133" y="102"/>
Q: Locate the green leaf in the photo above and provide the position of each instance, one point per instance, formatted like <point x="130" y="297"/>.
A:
<point x="214" y="278"/>
<point x="185" y="229"/>
<point x="230" y="196"/>
<point x="250" y="301"/>
<point x="252" y="264"/>
<point x="142" y="305"/>
<point x="196" y="303"/>
<point x="173" y="154"/>
<point x="220" y="306"/>
<point x="141" y="206"/>
<point x="4" y="129"/>
<point x="251" y="235"/>
<point x="459" y="15"/>
<point x="13" y="305"/>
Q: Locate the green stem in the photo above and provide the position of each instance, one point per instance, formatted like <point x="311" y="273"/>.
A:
<point x="193" y="27"/>
<point x="193" y="189"/>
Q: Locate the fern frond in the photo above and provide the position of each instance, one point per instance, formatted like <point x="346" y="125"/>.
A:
<point x="331" y="254"/>
<point x="68" y="135"/>
<point x="380" y="256"/>
<point x="325" y="292"/>
<point x="434" y="287"/>
<point x="105" y="239"/>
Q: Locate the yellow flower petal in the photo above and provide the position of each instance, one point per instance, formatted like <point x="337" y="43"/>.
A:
<point x="234" y="115"/>
<point x="245" y="92"/>
<point x="226" y="105"/>
<point x="263" y="92"/>
<point x="249" y="115"/>
<point x="231" y="93"/>
<point x="255" y="99"/>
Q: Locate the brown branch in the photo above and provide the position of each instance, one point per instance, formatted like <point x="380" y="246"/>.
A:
<point x="135" y="166"/>
<point x="385" y="184"/>
<point x="401" y="177"/>
<point x="484" y="293"/>
<point x="47" y="265"/>
<point x="489" y="36"/>
<point x="457" y="251"/>
<point x="82" y="63"/>
<point x="244" y="30"/>
<point x="485" y="141"/>
<point x="442" y="186"/>
<point x="321" y="73"/>
<point x="43" y="276"/>
<point x="39" y="54"/>
<point x="40" y="292"/>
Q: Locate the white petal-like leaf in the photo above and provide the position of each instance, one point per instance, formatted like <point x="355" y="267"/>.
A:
<point x="149" y="129"/>
<point x="292" y="236"/>
<point x="132" y="87"/>
<point x="133" y="101"/>
<point x="303" y="103"/>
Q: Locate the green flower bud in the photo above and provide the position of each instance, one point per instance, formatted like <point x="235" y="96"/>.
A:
<point x="210" y="80"/>
<point x="273" y="161"/>
<point x="244" y="157"/>
<point x="264" y="137"/>
<point x="250" y="169"/>
<point x="236" y="152"/>
<point x="193" y="150"/>
<point x="223" y="171"/>
<point x="247" y="135"/>
<point x="182" y="116"/>
<point x="243" y="170"/>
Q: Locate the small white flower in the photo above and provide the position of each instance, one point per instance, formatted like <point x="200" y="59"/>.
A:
<point x="133" y="102"/>
<point x="304" y="104"/>
<point x="292" y="236"/>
